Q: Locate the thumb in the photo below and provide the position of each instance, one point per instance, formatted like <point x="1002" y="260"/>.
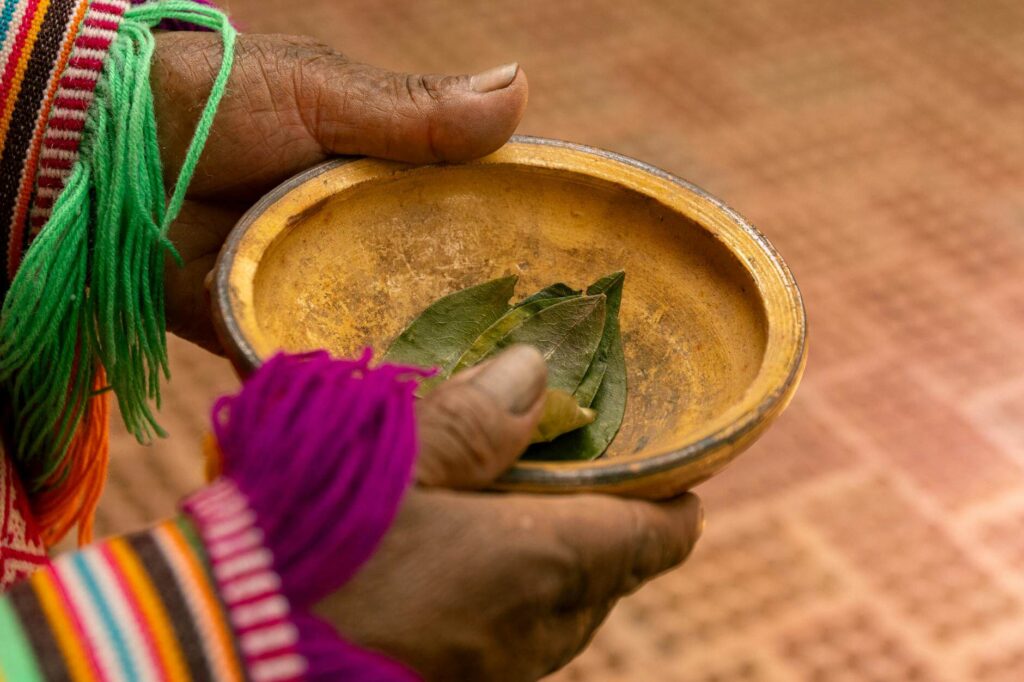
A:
<point x="473" y="427"/>
<point x="361" y="109"/>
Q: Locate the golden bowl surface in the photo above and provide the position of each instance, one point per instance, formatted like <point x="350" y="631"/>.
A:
<point x="345" y="255"/>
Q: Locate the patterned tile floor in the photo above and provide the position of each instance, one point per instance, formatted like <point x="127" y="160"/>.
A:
<point x="876" y="533"/>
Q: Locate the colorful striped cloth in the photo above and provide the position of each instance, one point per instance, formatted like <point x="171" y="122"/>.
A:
<point x="51" y="54"/>
<point x="142" y="607"/>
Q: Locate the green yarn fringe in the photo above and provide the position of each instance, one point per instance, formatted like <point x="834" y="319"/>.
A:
<point x="91" y="286"/>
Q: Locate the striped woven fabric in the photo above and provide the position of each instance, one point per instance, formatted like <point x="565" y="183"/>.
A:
<point x="74" y="95"/>
<point x="243" y="568"/>
<point x="142" y="607"/>
<point x="51" y="56"/>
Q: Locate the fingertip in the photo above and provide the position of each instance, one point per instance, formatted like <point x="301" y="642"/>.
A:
<point x="415" y="118"/>
<point x="691" y="511"/>
<point x="667" y="533"/>
<point x="469" y="124"/>
<point x="515" y="380"/>
<point x="474" y="426"/>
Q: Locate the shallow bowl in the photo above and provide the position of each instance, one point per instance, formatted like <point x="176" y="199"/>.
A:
<point x="346" y="254"/>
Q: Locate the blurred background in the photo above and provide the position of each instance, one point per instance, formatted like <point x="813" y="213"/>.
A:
<point x="877" y="533"/>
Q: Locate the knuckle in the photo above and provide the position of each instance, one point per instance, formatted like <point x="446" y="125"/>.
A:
<point x="425" y="92"/>
<point x="467" y="424"/>
<point x="569" y="581"/>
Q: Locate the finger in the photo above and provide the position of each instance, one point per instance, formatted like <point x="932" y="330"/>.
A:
<point x="292" y="102"/>
<point x="619" y="544"/>
<point x="197" y="235"/>
<point x="475" y="426"/>
<point x="355" y="108"/>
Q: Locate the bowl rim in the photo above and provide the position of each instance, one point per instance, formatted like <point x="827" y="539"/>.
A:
<point x="788" y="360"/>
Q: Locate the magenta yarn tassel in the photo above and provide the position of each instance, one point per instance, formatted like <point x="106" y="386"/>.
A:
<point x="323" y="451"/>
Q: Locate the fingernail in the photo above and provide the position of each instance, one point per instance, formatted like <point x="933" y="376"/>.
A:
<point x="494" y="79"/>
<point x="516" y="379"/>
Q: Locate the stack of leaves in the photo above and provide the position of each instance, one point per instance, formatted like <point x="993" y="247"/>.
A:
<point x="577" y="333"/>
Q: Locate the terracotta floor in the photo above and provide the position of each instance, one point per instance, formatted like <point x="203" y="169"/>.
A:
<point x="878" y="532"/>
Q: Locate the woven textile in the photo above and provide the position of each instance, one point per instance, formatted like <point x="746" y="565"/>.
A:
<point x="59" y="149"/>
<point x="243" y="568"/>
<point x="21" y="550"/>
<point x="143" y="607"/>
<point x="52" y="52"/>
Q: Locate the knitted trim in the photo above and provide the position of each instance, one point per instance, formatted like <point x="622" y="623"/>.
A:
<point x="248" y="585"/>
<point x="63" y="135"/>
<point x="37" y="46"/>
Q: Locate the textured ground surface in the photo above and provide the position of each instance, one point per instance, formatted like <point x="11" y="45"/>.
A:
<point x="878" y="532"/>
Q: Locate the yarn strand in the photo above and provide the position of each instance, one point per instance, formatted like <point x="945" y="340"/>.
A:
<point x="90" y="292"/>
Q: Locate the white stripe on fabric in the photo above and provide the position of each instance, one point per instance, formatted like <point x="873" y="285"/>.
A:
<point x="64" y="112"/>
<point x="220" y="529"/>
<point x="89" y="53"/>
<point x="265" y="640"/>
<point x="206" y="500"/>
<point x="279" y="668"/>
<point x="52" y="153"/>
<point x="266" y="610"/>
<point x="228" y="506"/>
<point x="118" y="603"/>
<point x="250" y="586"/>
<point x="79" y="72"/>
<point x="243" y="540"/>
<point x="96" y="630"/>
<point x="104" y="16"/>
<point x="98" y="32"/>
<point x="249" y="562"/>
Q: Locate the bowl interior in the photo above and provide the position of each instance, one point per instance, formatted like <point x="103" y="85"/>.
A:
<point x="347" y="258"/>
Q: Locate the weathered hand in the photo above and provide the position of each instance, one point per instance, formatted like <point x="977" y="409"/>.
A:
<point x="291" y="103"/>
<point x="471" y="586"/>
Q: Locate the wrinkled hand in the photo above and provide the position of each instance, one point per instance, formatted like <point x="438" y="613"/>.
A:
<point x="470" y="586"/>
<point x="291" y="103"/>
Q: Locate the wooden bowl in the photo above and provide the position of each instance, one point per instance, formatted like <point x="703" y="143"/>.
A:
<point x="344" y="255"/>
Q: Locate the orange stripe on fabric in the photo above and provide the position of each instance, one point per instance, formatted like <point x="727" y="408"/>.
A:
<point x="28" y="180"/>
<point x="66" y="630"/>
<point x="155" y="615"/>
<point x="133" y="603"/>
<point x="19" y="72"/>
<point x="201" y="577"/>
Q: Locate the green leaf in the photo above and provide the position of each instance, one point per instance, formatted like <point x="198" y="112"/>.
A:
<point x="449" y="326"/>
<point x="561" y="415"/>
<point x="611" y="287"/>
<point x="591" y="441"/>
<point x="484" y="346"/>
<point x="609" y="401"/>
<point x="558" y="290"/>
<point x="567" y="335"/>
